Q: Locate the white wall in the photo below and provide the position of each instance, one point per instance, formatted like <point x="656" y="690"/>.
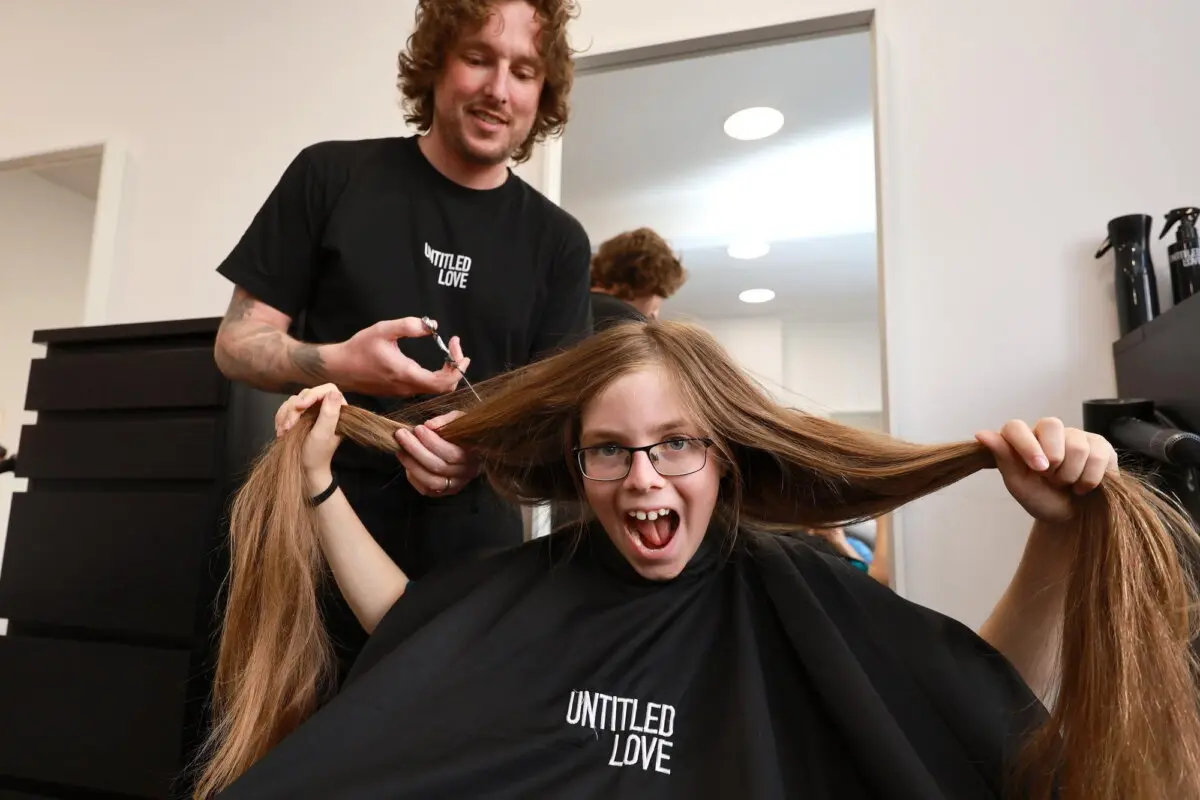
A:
<point x="45" y="239"/>
<point x="837" y="367"/>
<point x="1012" y="131"/>
<point x="756" y="344"/>
<point x="822" y="368"/>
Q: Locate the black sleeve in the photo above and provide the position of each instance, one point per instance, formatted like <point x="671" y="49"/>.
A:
<point x="608" y="311"/>
<point x="276" y="258"/>
<point x="567" y="315"/>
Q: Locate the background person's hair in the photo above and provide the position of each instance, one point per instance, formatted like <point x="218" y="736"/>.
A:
<point x="1125" y="723"/>
<point x="637" y="263"/>
<point x="440" y="24"/>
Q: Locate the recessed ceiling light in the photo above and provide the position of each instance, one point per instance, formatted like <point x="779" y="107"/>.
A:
<point x="756" y="296"/>
<point x="748" y="250"/>
<point x="754" y="123"/>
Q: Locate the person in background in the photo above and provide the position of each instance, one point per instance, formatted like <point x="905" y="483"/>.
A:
<point x="360" y="240"/>
<point x="632" y="273"/>
<point x="873" y="562"/>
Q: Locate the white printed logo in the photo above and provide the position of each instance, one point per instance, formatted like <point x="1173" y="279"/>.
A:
<point x="643" y="733"/>
<point x="1186" y="258"/>
<point x="452" y="269"/>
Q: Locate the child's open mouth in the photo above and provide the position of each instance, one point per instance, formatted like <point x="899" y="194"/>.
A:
<point x="652" y="530"/>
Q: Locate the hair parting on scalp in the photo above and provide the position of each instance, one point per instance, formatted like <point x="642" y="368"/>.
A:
<point x="1124" y="724"/>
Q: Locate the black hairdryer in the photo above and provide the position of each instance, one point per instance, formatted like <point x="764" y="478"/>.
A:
<point x="1175" y="447"/>
<point x="1138" y="427"/>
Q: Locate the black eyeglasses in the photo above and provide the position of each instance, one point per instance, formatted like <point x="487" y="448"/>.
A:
<point x="671" y="458"/>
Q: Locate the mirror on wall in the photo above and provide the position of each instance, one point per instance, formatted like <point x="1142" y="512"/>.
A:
<point x="757" y="166"/>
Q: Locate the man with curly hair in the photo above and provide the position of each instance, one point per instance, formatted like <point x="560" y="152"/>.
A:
<point x="361" y="239"/>
<point x="632" y="273"/>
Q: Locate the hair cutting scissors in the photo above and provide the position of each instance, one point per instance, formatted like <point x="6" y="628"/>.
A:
<point x="431" y="326"/>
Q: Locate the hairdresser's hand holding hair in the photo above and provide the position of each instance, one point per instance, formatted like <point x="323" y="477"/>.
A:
<point x="434" y="467"/>
<point x="1046" y="468"/>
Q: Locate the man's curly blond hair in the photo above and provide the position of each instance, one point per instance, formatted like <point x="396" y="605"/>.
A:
<point x="439" y="27"/>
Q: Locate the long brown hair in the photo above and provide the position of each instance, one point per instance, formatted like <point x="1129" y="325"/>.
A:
<point x="440" y="24"/>
<point x="1125" y="723"/>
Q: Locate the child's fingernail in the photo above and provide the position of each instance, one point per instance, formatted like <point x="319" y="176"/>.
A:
<point x="1040" y="463"/>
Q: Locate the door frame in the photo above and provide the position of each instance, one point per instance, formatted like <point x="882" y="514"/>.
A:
<point x="109" y="228"/>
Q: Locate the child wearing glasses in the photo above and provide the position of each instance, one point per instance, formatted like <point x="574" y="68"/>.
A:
<point x="678" y="642"/>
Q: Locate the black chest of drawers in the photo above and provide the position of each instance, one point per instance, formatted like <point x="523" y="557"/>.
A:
<point x="115" y="555"/>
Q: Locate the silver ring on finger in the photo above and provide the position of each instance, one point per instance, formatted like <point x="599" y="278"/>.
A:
<point x="449" y="483"/>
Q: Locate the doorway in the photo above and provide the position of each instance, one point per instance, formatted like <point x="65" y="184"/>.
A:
<point x="58" y="226"/>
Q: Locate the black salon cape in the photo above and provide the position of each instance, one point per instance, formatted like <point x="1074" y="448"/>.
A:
<point x="768" y="670"/>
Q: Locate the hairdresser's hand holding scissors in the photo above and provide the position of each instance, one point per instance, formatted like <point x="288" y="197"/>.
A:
<point x="433" y="466"/>
<point x="1045" y="467"/>
<point x="370" y="362"/>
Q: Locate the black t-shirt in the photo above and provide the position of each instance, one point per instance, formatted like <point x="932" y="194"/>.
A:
<point x="608" y="310"/>
<point x="361" y="231"/>
<point x="764" y="671"/>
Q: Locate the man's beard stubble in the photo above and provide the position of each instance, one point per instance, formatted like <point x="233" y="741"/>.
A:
<point x="459" y="143"/>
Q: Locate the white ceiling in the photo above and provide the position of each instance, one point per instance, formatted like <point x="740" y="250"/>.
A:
<point x="81" y="177"/>
<point x="645" y="146"/>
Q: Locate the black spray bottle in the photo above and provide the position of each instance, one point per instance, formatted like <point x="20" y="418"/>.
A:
<point x="1136" y="286"/>
<point x="1184" y="255"/>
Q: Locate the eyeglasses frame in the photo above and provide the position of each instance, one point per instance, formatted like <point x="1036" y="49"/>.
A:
<point x="646" y="448"/>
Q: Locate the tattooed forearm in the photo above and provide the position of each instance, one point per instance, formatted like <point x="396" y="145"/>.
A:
<point x="239" y="308"/>
<point x="253" y="347"/>
<point x="307" y="358"/>
<point x="268" y="358"/>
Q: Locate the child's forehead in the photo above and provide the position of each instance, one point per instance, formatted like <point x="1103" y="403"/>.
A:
<point x="644" y="397"/>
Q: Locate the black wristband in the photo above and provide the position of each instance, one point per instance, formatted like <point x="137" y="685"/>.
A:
<point x="325" y="495"/>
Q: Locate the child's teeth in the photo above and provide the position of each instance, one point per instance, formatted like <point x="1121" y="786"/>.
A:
<point x="661" y="512"/>
<point x="650" y="515"/>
